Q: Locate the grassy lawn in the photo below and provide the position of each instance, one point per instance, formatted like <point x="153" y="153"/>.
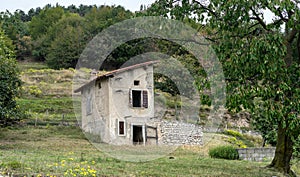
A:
<point x="49" y="110"/>
<point x="64" y="151"/>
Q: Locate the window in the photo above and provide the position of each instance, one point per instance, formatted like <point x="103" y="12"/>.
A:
<point x="136" y="82"/>
<point x="121" y="128"/>
<point x="138" y="98"/>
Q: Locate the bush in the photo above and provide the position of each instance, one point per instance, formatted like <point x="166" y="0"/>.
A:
<point x="233" y="133"/>
<point x="236" y="142"/>
<point x="224" y="152"/>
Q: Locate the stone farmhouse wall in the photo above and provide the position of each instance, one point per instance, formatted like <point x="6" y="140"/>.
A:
<point x="256" y="154"/>
<point x="180" y="133"/>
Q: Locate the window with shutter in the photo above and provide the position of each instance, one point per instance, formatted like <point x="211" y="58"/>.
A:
<point x="138" y="98"/>
<point x="145" y="99"/>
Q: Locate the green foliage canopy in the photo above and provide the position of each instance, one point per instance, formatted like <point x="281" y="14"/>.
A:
<point x="9" y="83"/>
<point x="67" y="38"/>
<point x="259" y="60"/>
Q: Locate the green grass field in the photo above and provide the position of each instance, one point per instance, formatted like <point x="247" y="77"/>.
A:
<point x="64" y="151"/>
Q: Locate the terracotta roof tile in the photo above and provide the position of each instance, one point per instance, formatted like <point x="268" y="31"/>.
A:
<point x="111" y="73"/>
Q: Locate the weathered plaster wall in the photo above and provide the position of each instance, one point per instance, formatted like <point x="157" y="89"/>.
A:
<point x="120" y="108"/>
<point x="96" y="122"/>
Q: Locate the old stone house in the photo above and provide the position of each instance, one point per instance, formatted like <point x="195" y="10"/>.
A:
<point x="119" y="106"/>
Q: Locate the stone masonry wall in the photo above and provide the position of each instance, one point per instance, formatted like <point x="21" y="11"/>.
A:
<point x="256" y="154"/>
<point x="179" y="133"/>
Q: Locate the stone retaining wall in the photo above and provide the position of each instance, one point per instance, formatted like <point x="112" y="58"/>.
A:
<point x="180" y="133"/>
<point x="256" y="154"/>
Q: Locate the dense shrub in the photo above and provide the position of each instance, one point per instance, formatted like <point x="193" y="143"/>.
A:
<point x="224" y="152"/>
<point x="233" y="133"/>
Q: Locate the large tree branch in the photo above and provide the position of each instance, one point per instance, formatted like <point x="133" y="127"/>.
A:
<point x="276" y="22"/>
<point x="210" y="11"/>
<point x="280" y="15"/>
<point x="290" y="14"/>
<point x="278" y="12"/>
<point x="258" y="19"/>
<point x="253" y="25"/>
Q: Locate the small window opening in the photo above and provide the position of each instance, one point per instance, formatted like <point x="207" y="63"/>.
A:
<point x="121" y="128"/>
<point x="136" y="82"/>
<point x="99" y="85"/>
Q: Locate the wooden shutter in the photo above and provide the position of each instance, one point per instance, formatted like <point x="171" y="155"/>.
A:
<point x="145" y="98"/>
<point x="130" y="98"/>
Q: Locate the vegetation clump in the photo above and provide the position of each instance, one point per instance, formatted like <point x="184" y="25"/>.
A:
<point x="224" y="152"/>
<point x="233" y="133"/>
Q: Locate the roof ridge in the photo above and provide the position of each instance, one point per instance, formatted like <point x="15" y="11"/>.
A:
<point x="110" y="73"/>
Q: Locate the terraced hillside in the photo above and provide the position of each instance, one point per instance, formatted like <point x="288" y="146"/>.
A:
<point x="46" y="94"/>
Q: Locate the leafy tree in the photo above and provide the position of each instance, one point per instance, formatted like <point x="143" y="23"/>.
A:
<point x="33" y="12"/>
<point x="258" y="58"/>
<point x="23" y="16"/>
<point x="39" y="26"/>
<point x="9" y="83"/>
<point x="49" y="31"/>
<point x="68" y="41"/>
<point x="82" y="10"/>
<point x="17" y="31"/>
<point x="99" y="18"/>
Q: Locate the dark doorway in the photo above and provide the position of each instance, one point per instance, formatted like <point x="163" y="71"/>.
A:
<point x="136" y="97"/>
<point x="137" y="134"/>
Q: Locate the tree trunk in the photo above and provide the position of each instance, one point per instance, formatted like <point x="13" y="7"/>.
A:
<point x="284" y="151"/>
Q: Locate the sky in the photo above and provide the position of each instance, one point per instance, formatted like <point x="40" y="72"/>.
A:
<point x="132" y="5"/>
<point x="26" y="5"/>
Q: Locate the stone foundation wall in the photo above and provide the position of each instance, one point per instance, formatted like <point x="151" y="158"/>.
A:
<point x="179" y="133"/>
<point x="256" y="154"/>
